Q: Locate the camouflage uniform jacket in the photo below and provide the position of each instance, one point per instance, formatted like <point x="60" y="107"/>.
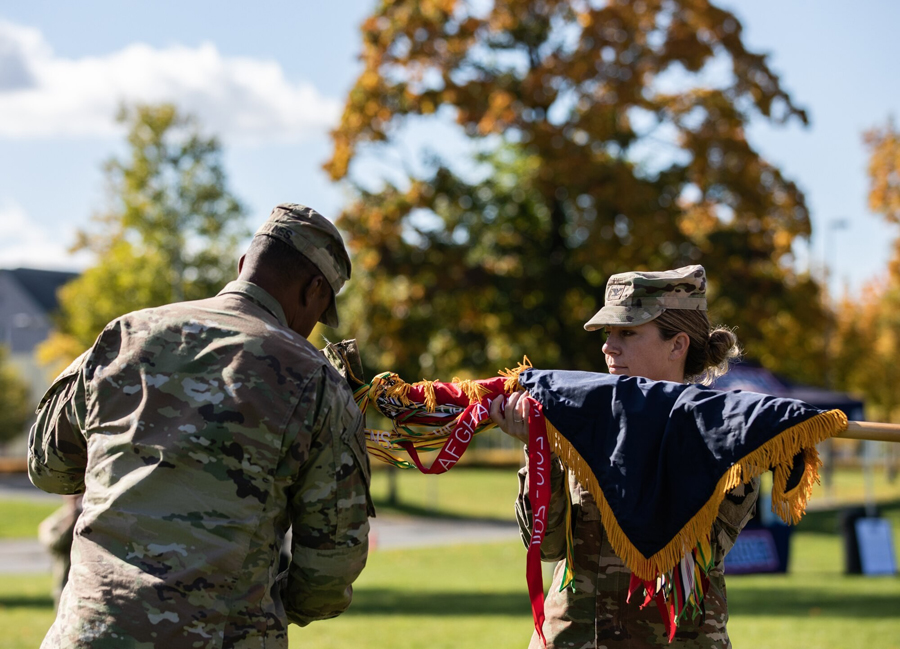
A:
<point x="596" y="615"/>
<point x="199" y="432"/>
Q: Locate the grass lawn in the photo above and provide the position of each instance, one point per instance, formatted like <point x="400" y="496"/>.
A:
<point x="459" y="596"/>
<point x="26" y="610"/>
<point x="475" y="595"/>
<point x="490" y="493"/>
<point x="463" y="492"/>
<point x="19" y="517"/>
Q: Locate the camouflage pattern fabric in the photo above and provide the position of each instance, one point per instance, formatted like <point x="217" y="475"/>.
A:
<point x="317" y="239"/>
<point x="635" y="298"/>
<point x="199" y="433"/>
<point x="596" y="614"/>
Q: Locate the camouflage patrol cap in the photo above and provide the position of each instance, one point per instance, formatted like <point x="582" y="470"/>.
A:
<point x="635" y="298"/>
<point x="317" y="239"/>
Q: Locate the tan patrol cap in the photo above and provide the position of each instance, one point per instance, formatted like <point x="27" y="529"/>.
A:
<point x="635" y="298"/>
<point x="317" y="239"/>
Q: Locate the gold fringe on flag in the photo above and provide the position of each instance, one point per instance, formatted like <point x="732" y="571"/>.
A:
<point x="777" y="453"/>
<point x="512" y="375"/>
<point x="399" y="390"/>
<point x="471" y="389"/>
<point x="377" y="386"/>
<point x="430" y="398"/>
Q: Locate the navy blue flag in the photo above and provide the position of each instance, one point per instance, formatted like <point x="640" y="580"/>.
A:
<point x="659" y="457"/>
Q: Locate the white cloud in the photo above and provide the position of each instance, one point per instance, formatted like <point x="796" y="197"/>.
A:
<point x="24" y="243"/>
<point x="240" y="99"/>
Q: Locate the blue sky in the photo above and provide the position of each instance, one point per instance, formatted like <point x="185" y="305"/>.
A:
<point x="270" y="77"/>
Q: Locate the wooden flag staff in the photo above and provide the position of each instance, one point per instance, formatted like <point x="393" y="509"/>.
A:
<point x="870" y="430"/>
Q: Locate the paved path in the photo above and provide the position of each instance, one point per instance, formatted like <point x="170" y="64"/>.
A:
<point x="17" y="485"/>
<point x="28" y="556"/>
<point x="23" y="556"/>
<point x="388" y="532"/>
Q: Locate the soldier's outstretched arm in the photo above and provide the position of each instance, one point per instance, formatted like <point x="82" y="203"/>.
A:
<point x="57" y="448"/>
<point x="331" y="506"/>
<point x="735" y="512"/>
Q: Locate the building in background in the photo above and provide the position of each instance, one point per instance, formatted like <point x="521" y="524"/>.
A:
<point x="27" y="302"/>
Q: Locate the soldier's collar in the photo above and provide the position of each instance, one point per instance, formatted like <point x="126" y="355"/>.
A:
<point x="259" y="295"/>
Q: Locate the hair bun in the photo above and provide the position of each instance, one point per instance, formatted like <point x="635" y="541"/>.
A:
<point x="722" y="349"/>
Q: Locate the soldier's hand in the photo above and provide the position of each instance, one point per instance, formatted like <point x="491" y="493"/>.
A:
<point x="513" y="420"/>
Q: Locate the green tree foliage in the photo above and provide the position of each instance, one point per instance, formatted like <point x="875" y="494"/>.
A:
<point x="610" y="138"/>
<point x="15" y="400"/>
<point x="171" y="230"/>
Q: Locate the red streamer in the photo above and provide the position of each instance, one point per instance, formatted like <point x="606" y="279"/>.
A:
<point x="474" y="415"/>
<point x="457" y="443"/>
<point x="539" y="494"/>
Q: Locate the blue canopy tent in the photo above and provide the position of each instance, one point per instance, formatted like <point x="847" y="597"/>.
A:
<point x="752" y="377"/>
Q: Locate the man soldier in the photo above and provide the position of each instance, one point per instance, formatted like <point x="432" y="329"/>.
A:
<point x="199" y="432"/>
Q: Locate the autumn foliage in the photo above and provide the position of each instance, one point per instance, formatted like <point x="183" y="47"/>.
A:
<point x="867" y="345"/>
<point x="604" y="137"/>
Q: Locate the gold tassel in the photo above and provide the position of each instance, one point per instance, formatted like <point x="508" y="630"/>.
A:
<point x="377" y="388"/>
<point x="777" y="452"/>
<point x="472" y="389"/>
<point x="428" y="389"/>
<point x="512" y="375"/>
<point x="399" y="390"/>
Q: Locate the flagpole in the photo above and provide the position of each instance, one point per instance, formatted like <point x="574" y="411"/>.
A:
<point x="872" y="430"/>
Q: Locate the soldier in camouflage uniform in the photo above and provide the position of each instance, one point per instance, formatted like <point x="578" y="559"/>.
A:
<point x="199" y="432"/>
<point x="657" y="328"/>
<point x="56" y="533"/>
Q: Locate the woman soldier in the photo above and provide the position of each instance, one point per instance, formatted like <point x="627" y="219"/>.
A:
<point x="657" y="328"/>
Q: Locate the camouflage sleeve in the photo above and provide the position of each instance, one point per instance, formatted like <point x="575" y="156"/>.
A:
<point x="330" y="507"/>
<point x="553" y="547"/>
<point x="57" y="448"/>
<point x="735" y="511"/>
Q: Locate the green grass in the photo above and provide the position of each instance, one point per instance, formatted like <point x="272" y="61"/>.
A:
<point x="19" y="517"/>
<point x="490" y="493"/>
<point x="816" y="605"/>
<point x="849" y="487"/>
<point x="26" y="610"/>
<point x="463" y="492"/>
<point x="475" y="596"/>
<point x="459" y="596"/>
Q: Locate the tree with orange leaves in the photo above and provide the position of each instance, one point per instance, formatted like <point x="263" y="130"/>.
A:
<point x="884" y="175"/>
<point x="607" y="136"/>
<point x="867" y="344"/>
